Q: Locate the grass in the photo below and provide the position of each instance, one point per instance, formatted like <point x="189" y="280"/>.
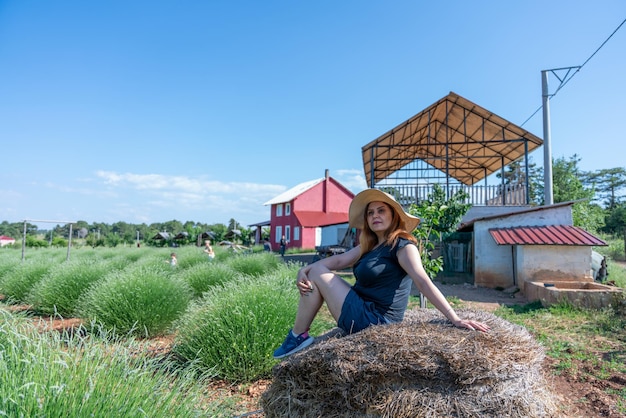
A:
<point x="229" y="314"/>
<point x="54" y="375"/>
<point x="617" y="274"/>
<point x="585" y="344"/>
<point x="232" y="331"/>
<point x="144" y="301"/>
<point x="59" y="291"/>
<point x="19" y="281"/>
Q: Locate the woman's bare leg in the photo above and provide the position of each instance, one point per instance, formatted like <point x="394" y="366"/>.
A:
<point x="327" y="287"/>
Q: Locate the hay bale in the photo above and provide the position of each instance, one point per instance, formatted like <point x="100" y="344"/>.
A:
<point x="422" y="367"/>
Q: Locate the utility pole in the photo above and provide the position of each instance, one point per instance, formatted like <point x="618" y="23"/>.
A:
<point x="548" y="195"/>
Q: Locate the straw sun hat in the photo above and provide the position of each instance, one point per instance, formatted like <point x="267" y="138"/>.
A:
<point x="359" y="204"/>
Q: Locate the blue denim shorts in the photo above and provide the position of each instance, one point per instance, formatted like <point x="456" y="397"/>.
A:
<point x="356" y="314"/>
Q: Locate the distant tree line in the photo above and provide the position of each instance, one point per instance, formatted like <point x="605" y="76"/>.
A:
<point x="121" y="233"/>
<point x="601" y="205"/>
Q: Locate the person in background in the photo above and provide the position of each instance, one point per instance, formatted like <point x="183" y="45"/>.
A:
<point x="208" y="249"/>
<point x="173" y="260"/>
<point x="267" y="246"/>
<point x="283" y="245"/>
<point x="384" y="264"/>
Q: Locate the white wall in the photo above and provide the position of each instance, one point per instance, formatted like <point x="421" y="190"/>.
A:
<point x="493" y="264"/>
<point x="550" y="263"/>
<point x="333" y="234"/>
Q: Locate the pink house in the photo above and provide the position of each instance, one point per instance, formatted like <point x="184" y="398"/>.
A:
<point x="4" y="240"/>
<point x="301" y="212"/>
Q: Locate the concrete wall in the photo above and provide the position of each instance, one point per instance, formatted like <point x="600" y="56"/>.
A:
<point x="493" y="264"/>
<point x="551" y="263"/>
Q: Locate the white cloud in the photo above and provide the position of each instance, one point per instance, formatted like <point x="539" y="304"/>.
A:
<point x="188" y="198"/>
<point x="353" y="179"/>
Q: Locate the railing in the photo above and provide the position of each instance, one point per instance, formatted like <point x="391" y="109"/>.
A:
<point x="497" y="195"/>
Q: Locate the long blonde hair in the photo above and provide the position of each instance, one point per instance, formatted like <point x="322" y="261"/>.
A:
<point x="397" y="229"/>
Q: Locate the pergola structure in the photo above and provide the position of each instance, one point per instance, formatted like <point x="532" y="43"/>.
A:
<point x="454" y="143"/>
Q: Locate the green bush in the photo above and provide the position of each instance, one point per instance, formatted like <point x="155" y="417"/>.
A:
<point x="60" y="289"/>
<point x="232" y="331"/>
<point x="189" y="257"/>
<point x="53" y="375"/>
<point x="143" y="300"/>
<point x="201" y="277"/>
<point x="616" y="250"/>
<point x="254" y="264"/>
<point x="17" y="285"/>
<point x="6" y="266"/>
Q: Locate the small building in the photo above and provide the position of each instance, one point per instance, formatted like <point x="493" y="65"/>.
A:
<point x="536" y="244"/>
<point x="309" y="213"/>
<point x="161" y="236"/>
<point x="4" y="240"/>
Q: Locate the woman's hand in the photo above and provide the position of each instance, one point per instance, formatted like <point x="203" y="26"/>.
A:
<point x="473" y="325"/>
<point x="304" y="285"/>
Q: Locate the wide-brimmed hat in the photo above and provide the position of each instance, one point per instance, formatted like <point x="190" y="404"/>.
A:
<point x="356" y="214"/>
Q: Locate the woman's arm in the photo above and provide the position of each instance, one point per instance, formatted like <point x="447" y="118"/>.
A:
<point x="410" y="260"/>
<point x="340" y="261"/>
<point x="334" y="262"/>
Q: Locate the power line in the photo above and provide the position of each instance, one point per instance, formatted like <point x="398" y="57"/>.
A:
<point x="566" y="79"/>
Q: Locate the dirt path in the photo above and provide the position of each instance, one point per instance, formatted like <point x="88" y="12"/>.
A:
<point x="481" y="297"/>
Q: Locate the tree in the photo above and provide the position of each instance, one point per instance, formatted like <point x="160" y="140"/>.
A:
<point x="451" y="209"/>
<point x="515" y="173"/>
<point x="615" y="220"/>
<point x="15" y="230"/>
<point x="438" y="216"/>
<point x="568" y="186"/>
<point x="608" y="183"/>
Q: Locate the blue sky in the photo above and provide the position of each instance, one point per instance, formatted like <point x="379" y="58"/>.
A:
<point x="149" y="111"/>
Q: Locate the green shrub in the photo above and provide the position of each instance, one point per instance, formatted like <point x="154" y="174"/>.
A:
<point x="617" y="274"/>
<point x="17" y="285"/>
<point x="254" y="264"/>
<point x="41" y="377"/>
<point x="615" y="250"/>
<point x="6" y="265"/>
<point x="201" y="277"/>
<point x="191" y="256"/>
<point x="143" y="300"/>
<point x="60" y="289"/>
<point x="232" y="331"/>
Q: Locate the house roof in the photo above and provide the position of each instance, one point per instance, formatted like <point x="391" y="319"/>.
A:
<point x="453" y="135"/>
<point x="161" y="235"/>
<point x="315" y="219"/>
<point x="467" y="226"/>
<point x="264" y="223"/>
<point x="294" y="192"/>
<point x="5" y="238"/>
<point x="544" y="235"/>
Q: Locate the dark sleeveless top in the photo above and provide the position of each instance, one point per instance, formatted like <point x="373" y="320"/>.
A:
<point x="380" y="279"/>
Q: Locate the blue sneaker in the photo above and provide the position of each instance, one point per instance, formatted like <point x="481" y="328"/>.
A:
<point x="292" y="345"/>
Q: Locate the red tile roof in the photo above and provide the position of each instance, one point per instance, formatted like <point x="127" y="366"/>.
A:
<point x="544" y="235"/>
<point x="314" y="219"/>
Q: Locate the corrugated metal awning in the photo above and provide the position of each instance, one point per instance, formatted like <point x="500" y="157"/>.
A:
<point x="544" y="235"/>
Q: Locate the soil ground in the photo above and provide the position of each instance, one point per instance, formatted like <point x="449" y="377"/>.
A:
<point x="581" y="394"/>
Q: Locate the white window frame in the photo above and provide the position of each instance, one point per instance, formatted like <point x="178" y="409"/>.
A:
<point x="287" y="209"/>
<point x="279" y="210"/>
<point x="296" y="233"/>
<point x="288" y="232"/>
<point x="279" y="233"/>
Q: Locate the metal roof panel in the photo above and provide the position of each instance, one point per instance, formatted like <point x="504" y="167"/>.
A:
<point x="544" y="235"/>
